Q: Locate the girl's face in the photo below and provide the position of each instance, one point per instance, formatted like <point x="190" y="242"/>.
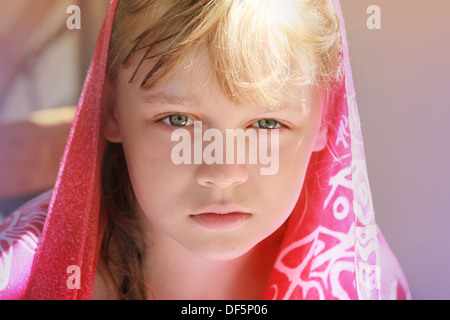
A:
<point x="219" y="211"/>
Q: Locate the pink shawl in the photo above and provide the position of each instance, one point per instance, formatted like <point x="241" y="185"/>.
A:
<point x="336" y="251"/>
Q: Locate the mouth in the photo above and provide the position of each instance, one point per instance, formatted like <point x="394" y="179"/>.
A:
<point x="221" y="218"/>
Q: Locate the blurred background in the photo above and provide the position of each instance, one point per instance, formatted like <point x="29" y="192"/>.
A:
<point x="402" y="78"/>
<point x="42" y="68"/>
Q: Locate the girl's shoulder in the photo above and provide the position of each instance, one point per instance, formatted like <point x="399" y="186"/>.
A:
<point x="19" y="236"/>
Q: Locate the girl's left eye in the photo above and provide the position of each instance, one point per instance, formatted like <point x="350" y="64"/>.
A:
<point x="267" y="124"/>
<point x="178" y="120"/>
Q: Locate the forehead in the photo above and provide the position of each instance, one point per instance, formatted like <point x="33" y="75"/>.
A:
<point x="193" y="79"/>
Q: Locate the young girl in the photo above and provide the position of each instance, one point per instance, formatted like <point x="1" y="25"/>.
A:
<point x="151" y="201"/>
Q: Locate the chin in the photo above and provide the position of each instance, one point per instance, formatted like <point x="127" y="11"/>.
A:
<point x="223" y="250"/>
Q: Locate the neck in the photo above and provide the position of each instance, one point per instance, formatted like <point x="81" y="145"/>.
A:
<point x="175" y="273"/>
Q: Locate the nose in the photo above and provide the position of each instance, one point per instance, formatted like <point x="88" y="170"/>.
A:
<point x="221" y="175"/>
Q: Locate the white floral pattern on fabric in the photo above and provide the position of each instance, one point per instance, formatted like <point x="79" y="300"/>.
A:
<point x="19" y="236"/>
<point x="325" y="265"/>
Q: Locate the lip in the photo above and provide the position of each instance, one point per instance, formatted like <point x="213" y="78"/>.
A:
<point x="221" y="221"/>
<point x="221" y="217"/>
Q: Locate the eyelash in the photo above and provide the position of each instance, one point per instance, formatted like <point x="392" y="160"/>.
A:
<point x="168" y="125"/>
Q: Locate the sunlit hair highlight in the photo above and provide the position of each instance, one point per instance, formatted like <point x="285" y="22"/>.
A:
<point x="258" y="49"/>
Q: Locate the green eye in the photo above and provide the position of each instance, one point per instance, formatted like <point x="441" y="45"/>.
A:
<point x="268" y="124"/>
<point x="178" y="120"/>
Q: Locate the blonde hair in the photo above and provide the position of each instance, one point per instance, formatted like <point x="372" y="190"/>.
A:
<point x="257" y="49"/>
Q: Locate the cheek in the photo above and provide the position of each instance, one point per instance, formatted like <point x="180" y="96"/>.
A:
<point x="284" y="188"/>
<point x="294" y="160"/>
<point x="152" y="172"/>
<point x="283" y="193"/>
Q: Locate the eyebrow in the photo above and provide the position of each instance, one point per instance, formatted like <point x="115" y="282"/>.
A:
<point x="175" y="100"/>
<point x="165" y="98"/>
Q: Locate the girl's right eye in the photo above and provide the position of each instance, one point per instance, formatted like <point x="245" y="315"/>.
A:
<point x="178" y="120"/>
